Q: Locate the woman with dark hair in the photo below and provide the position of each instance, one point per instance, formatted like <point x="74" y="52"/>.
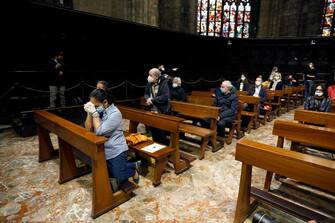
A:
<point x="242" y="83"/>
<point x="106" y="120"/>
<point x="319" y="101"/>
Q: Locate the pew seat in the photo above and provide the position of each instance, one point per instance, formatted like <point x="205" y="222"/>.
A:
<point x="204" y="133"/>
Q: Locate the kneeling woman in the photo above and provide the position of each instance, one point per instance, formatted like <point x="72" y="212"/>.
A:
<point x="106" y="120"/>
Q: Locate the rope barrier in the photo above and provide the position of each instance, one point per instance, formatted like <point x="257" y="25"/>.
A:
<point x="91" y="86"/>
<point x="117" y="86"/>
<point x="191" y="82"/>
<point x="71" y="88"/>
<point x="134" y="85"/>
<point x="7" y="92"/>
<point x="210" y="81"/>
<point x="33" y="89"/>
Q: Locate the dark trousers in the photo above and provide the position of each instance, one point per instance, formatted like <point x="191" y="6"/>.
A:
<point x="121" y="169"/>
<point x="159" y="136"/>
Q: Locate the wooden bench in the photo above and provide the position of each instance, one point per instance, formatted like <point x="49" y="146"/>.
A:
<point x="236" y="125"/>
<point x="160" y="158"/>
<point x="276" y="103"/>
<point x="206" y="94"/>
<point x="286" y="99"/>
<point x="253" y="114"/>
<point x="200" y="100"/>
<point x="164" y="122"/>
<point x="332" y="110"/>
<point x="238" y="93"/>
<point x="308" y="169"/>
<point x="200" y="112"/>
<point x="325" y="119"/>
<point x="72" y="136"/>
<point x="299" y="133"/>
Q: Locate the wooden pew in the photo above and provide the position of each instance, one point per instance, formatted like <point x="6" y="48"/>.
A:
<point x="72" y="136"/>
<point x="276" y="103"/>
<point x="207" y="94"/>
<point x="199" y="112"/>
<point x="253" y="114"/>
<point x="200" y="100"/>
<point x="286" y="99"/>
<point x="236" y="125"/>
<point x="299" y="133"/>
<point x="164" y="122"/>
<point x="332" y="110"/>
<point x="308" y="169"/>
<point x="313" y="117"/>
<point x="238" y="93"/>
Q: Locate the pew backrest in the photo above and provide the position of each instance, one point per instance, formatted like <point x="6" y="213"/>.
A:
<point x="201" y="100"/>
<point x="86" y="141"/>
<point x="325" y="119"/>
<point x="306" y="168"/>
<point x="312" y="135"/>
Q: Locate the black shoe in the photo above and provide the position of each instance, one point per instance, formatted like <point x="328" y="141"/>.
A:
<point x="138" y="166"/>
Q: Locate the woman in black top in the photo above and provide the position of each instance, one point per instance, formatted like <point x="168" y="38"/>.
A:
<point x="177" y="93"/>
<point x="242" y="83"/>
<point x="310" y="74"/>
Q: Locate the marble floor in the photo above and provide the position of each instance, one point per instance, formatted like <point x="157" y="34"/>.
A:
<point x="207" y="192"/>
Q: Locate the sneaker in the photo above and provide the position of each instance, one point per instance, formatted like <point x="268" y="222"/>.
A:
<point x="136" y="180"/>
<point x="115" y="184"/>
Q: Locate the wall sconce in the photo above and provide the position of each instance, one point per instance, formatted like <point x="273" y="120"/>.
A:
<point x="313" y="42"/>
<point x="229" y="43"/>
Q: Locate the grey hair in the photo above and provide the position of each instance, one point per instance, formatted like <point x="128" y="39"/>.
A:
<point x="228" y="84"/>
<point x="178" y="80"/>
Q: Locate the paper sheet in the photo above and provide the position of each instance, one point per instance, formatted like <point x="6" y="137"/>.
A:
<point x="153" y="147"/>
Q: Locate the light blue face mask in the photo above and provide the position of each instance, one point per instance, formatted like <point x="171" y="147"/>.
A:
<point x="100" y="110"/>
<point x="222" y="90"/>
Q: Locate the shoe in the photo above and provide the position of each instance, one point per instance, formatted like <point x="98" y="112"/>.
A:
<point x="115" y="184"/>
<point x="138" y="166"/>
<point x="136" y="180"/>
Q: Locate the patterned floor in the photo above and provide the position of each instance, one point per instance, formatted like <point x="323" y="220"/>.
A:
<point x="29" y="190"/>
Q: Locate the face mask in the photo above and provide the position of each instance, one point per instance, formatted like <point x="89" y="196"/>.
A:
<point x="242" y="78"/>
<point x="276" y="78"/>
<point x="223" y="90"/>
<point x="258" y="83"/>
<point x="174" y="85"/>
<point x="319" y="94"/>
<point x="150" y="79"/>
<point x="100" y="110"/>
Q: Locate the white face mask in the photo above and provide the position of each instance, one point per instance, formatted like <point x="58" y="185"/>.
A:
<point x="258" y="83"/>
<point x="276" y="78"/>
<point x="319" y="94"/>
<point x="150" y="79"/>
<point x="242" y="78"/>
<point x="174" y="85"/>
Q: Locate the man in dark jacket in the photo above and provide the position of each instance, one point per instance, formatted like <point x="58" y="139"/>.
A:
<point x="156" y="96"/>
<point x="57" y="79"/>
<point x="258" y="91"/>
<point x="228" y="104"/>
<point x="157" y="92"/>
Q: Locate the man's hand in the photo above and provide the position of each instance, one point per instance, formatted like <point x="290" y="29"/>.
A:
<point x="149" y="101"/>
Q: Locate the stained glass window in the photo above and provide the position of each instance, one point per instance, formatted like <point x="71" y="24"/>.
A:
<point x="226" y="18"/>
<point x="328" y="26"/>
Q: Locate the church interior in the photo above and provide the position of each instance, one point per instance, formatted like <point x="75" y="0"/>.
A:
<point x="168" y="111"/>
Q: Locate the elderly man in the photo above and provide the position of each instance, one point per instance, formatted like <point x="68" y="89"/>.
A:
<point x="156" y="96"/>
<point x="228" y="104"/>
<point x="157" y="92"/>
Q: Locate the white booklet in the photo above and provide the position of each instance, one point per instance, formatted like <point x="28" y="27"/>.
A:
<point x="153" y="147"/>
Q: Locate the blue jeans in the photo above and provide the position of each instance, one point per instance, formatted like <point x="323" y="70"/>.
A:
<point x="308" y="88"/>
<point x="120" y="168"/>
